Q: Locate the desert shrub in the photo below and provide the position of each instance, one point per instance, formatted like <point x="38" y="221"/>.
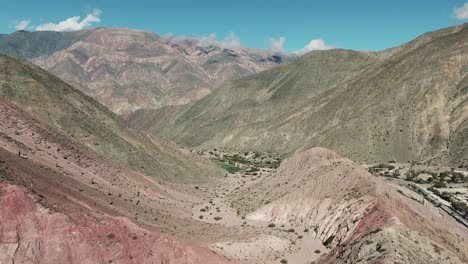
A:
<point x="374" y="231"/>
<point x="328" y="241"/>
<point x="440" y="184"/>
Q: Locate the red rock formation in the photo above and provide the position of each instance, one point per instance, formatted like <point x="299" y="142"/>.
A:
<point x="32" y="233"/>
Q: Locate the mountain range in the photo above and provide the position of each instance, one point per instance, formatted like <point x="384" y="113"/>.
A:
<point x="127" y="69"/>
<point x="408" y="103"/>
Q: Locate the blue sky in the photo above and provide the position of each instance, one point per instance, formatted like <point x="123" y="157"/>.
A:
<point x="283" y="25"/>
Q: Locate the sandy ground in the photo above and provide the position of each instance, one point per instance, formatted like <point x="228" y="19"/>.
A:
<point x="266" y="244"/>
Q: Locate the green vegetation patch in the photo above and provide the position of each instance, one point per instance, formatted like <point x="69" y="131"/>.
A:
<point x="230" y="168"/>
<point x="237" y="158"/>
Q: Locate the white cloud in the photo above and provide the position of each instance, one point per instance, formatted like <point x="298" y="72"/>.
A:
<point x="72" y="23"/>
<point x="210" y="40"/>
<point x="21" y="25"/>
<point x="277" y="44"/>
<point x="230" y="42"/>
<point x="171" y="37"/>
<point x="461" y="13"/>
<point x="315" y="44"/>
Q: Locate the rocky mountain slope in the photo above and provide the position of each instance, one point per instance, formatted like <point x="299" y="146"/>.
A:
<point x="128" y="69"/>
<point x="75" y="181"/>
<point x="407" y="103"/>
<point x="63" y="107"/>
<point x="362" y="218"/>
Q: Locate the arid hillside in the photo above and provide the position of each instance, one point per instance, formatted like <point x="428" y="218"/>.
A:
<point x="77" y="184"/>
<point x="408" y="103"/>
<point x="127" y="69"/>
<point x="31" y="232"/>
<point x="359" y="217"/>
<point x="88" y="122"/>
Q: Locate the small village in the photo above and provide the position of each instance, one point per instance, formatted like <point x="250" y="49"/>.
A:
<point x="443" y="186"/>
<point x="250" y="163"/>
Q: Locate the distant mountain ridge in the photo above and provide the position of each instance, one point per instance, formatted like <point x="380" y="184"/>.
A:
<point x="127" y="69"/>
<point x="407" y="103"/>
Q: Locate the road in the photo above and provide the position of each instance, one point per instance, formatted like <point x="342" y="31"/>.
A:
<point x="436" y="200"/>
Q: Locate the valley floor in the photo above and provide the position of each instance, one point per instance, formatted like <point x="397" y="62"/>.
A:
<point x="266" y="243"/>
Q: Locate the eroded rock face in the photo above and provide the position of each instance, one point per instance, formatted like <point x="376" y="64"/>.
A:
<point x="401" y="230"/>
<point x="32" y="233"/>
<point x="316" y="190"/>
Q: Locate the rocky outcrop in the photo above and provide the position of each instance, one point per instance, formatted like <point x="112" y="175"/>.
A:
<point x="319" y="191"/>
